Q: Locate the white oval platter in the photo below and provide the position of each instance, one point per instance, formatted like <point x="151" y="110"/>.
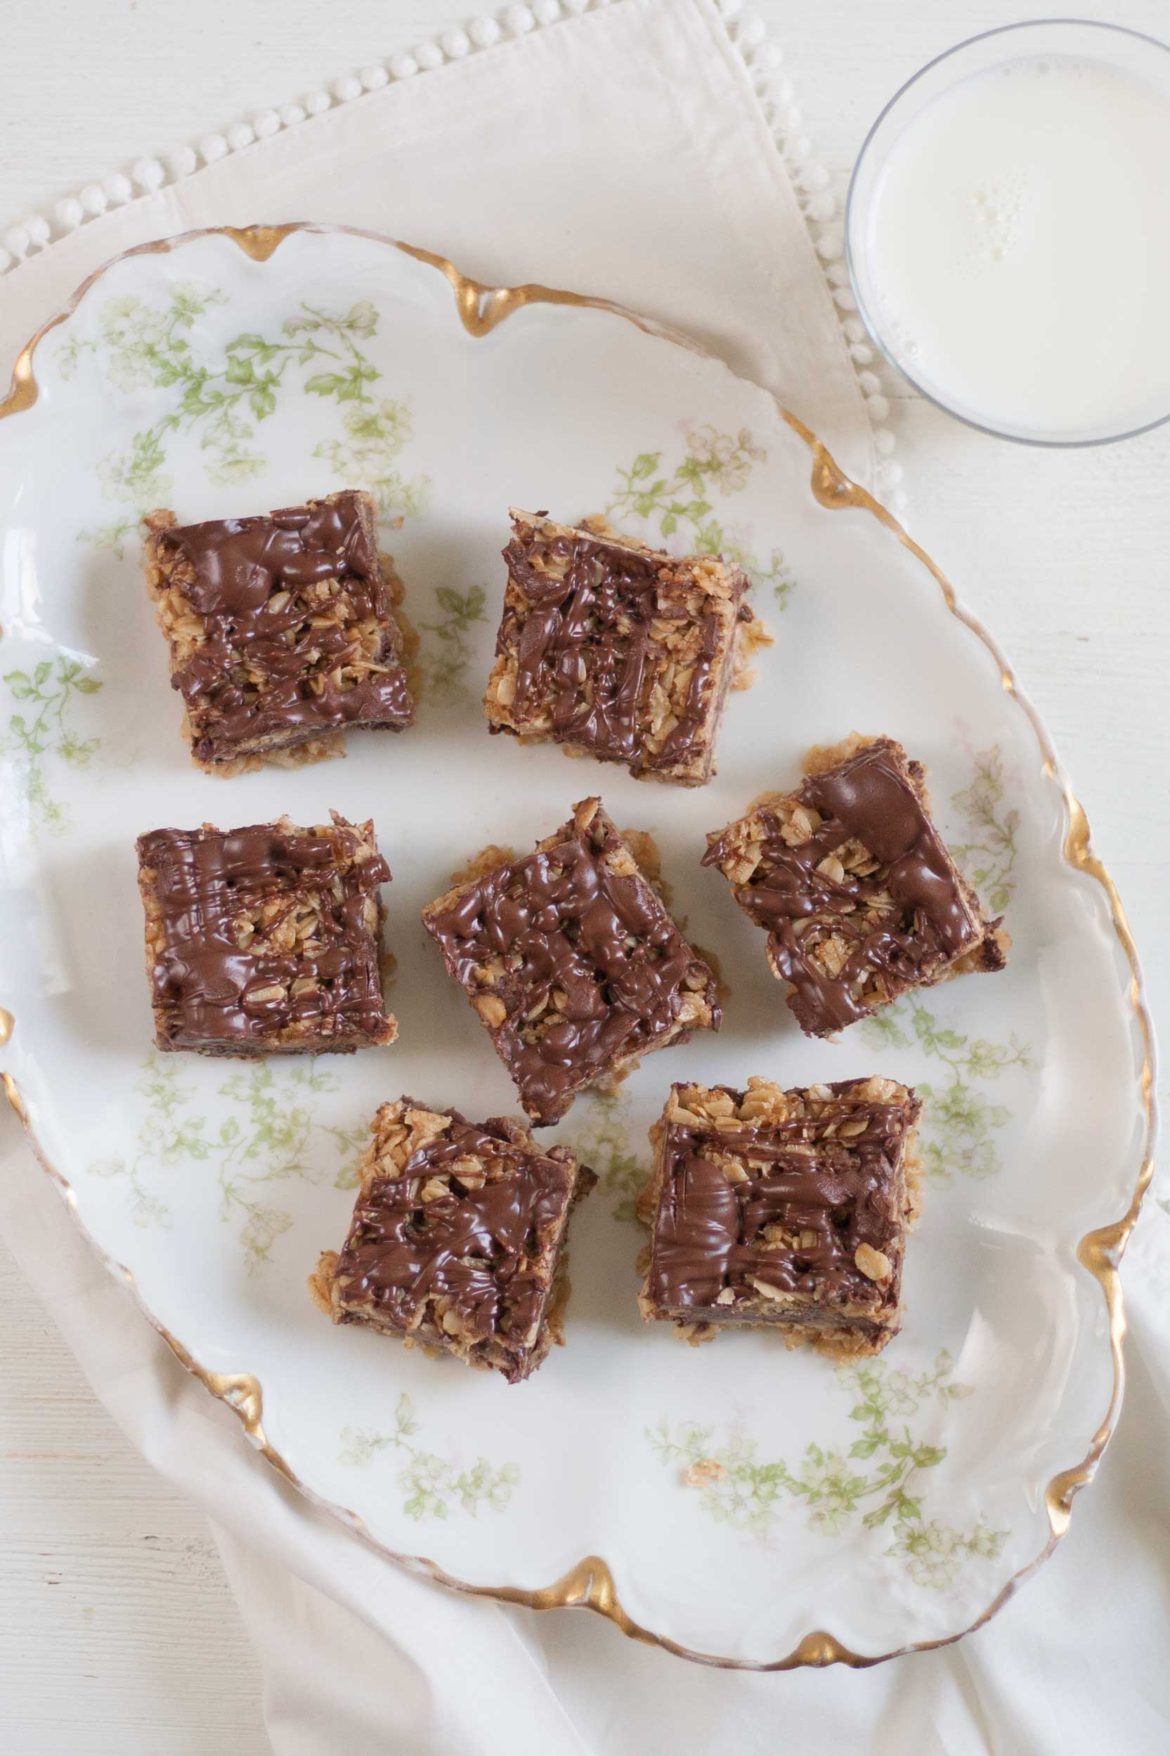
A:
<point x="737" y="1502"/>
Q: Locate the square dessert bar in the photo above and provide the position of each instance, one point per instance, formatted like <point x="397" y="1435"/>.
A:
<point x="281" y="629"/>
<point x="265" y="940"/>
<point x="458" y="1238"/>
<point x="858" y="896"/>
<point x="786" y="1209"/>
<point x="614" y="649"/>
<point x="572" y="962"/>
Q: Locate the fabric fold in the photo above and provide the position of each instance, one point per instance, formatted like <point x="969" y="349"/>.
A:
<point x="621" y="152"/>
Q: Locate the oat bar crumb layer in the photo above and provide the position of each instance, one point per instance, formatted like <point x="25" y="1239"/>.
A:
<point x="783" y="1209"/>
<point x="849" y="878"/>
<point x="458" y="1238"/>
<point x="572" y="962"/>
<point x="265" y="940"/>
<point x="281" y="630"/>
<point x="614" y="649"/>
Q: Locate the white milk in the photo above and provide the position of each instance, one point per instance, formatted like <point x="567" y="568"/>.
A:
<point x="1016" y="249"/>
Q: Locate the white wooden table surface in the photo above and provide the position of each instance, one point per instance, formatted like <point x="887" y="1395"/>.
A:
<point x="112" y="1602"/>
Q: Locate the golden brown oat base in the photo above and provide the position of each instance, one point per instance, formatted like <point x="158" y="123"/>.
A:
<point x="155" y="944"/>
<point x="320" y="1282"/>
<point x="714" y="964"/>
<point x="983" y="959"/>
<point x="827" y="949"/>
<point x="695" y="1012"/>
<point x="400" y="1129"/>
<point x="646" y="1199"/>
<point x="913" y="1173"/>
<point x="558" y="1304"/>
<point x="323" y="749"/>
<point x="276" y="752"/>
<point x="409" y="638"/>
<point x="714" y="585"/>
<point x="486" y="860"/>
<point x="751" y="639"/>
<point x="766" y="1104"/>
<point x="182" y="630"/>
<point x="648" y="858"/>
<point x="295" y="1038"/>
<point x="834" y="1344"/>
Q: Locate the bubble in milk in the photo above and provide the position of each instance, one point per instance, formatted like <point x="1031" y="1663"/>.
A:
<point x="1024" y="208"/>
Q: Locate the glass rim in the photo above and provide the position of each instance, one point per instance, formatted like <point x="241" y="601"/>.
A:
<point x="872" y="329"/>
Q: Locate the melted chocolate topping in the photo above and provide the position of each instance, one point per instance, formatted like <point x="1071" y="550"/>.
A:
<point x="216" y="986"/>
<point x="490" y="1251"/>
<point x="251" y="576"/>
<point x="585" y="652"/>
<point x="871" y="799"/>
<point x="563" y="923"/>
<point x="829" y="1194"/>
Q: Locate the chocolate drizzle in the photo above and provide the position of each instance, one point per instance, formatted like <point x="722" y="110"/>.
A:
<point x="903" y="922"/>
<point x="266" y="936"/>
<point x="795" y="1218"/>
<point x="589" y="967"/>
<point x="597" y="631"/>
<point x="484" y="1248"/>
<point x="298" y="635"/>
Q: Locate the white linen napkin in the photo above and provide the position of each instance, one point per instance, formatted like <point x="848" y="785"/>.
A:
<point x="622" y="151"/>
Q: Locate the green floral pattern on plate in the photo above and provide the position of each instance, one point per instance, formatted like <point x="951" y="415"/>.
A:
<point x="878" y="1480"/>
<point x="447" y="654"/>
<point x="224" y="401"/>
<point x="266" y="1137"/>
<point x="960" y="1122"/>
<point x="988" y="858"/>
<point x="432" y="1486"/>
<point x="603" y="1143"/>
<point x="40" y="729"/>
<point x="679" y="499"/>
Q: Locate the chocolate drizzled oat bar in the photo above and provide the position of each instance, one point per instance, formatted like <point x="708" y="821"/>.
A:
<point x="786" y="1209"/>
<point x="614" y="649"/>
<point x="858" y="895"/>
<point x="572" y="962"/>
<point x="265" y="940"/>
<point x="281" y="629"/>
<point x="458" y="1238"/>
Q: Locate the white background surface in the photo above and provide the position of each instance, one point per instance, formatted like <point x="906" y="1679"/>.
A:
<point x="113" y="1611"/>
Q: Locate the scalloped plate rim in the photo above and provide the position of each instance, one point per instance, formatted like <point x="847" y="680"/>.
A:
<point x="589" y="1584"/>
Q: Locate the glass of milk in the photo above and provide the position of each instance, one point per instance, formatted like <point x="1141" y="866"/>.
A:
<point x="1008" y="232"/>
